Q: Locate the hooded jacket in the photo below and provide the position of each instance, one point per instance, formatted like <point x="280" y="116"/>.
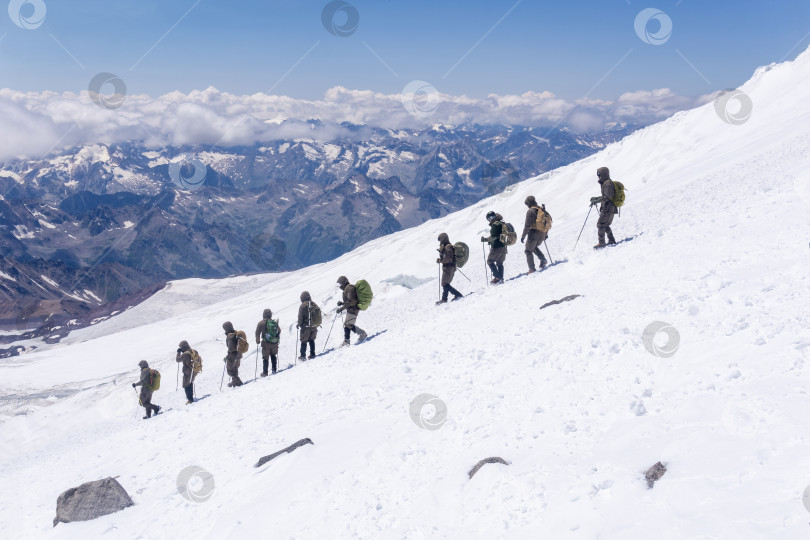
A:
<point x="184" y="357"/>
<point x="303" y="310"/>
<point x="261" y="328"/>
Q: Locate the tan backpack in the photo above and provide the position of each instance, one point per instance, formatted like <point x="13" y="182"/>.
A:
<point x="543" y="223"/>
<point x="196" y="362"/>
<point x="242" y="344"/>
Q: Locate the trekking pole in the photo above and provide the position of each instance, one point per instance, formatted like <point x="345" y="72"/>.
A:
<point x="549" y="253"/>
<point x="440" y="282"/>
<point x="297" y="339"/>
<point x="139" y="402"/>
<point x="583" y="227"/>
<point x="256" y="371"/>
<point x="486" y="272"/>
<point x="463" y="274"/>
<point x="223" y="375"/>
<point x="177" y="386"/>
<point x="330" y="331"/>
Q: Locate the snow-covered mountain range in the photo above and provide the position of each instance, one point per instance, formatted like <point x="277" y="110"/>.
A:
<point x="100" y="227"/>
<point x="578" y="398"/>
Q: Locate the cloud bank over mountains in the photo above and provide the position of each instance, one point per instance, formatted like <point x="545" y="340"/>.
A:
<point x="32" y="125"/>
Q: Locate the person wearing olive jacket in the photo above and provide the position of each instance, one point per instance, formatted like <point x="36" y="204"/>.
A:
<point x="532" y="237"/>
<point x="447" y="258"/>
<point x="269" y="348"/>
<point x="234" y="358"/>
<point x="349" y="304"/>
<point x="606" y="207"/>
<point x="145" y="397"/>
<point x="497" y="250"/>
<point x="184" y="357"/>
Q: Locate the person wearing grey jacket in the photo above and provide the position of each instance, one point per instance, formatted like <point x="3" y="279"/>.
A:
<point x="606" y="207"/>
<point x="308" y="331"/>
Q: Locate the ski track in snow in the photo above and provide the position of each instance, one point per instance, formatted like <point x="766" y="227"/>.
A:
<point x="569" y="395"/>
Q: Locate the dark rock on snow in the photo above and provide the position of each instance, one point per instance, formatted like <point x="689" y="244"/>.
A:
<point x="484" y="462"/>
<point x="287" y="450"/>
<point x="654" y="473"/>
<point x="91" y="500"/>
<point x="560" y="301"/>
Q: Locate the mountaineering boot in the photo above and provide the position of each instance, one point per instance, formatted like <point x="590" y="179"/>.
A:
<point x="600" y="245"/>
<point x="264" y="374"/>
<point x="189" y="402"/>
<point x="311" y="356"/>
<point x="442" y="301"/>
<point x="345" y="343"/>
<point x="456" y="297"/>
<point x="302" y="358"/>
<point x="494" y="280"/>
<point x="532" y="271"/>
<point x="361" y="335"/>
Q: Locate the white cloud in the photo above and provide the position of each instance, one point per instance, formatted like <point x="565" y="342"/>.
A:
<point x="32" y="124"/>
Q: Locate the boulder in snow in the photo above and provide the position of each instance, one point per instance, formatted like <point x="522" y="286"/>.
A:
<point x="287" y="450"/>
<point x="91" y="500"/>
<point x="484" y="462"/>
<point x="654" y="473"/>
<point x="560" y="301"/>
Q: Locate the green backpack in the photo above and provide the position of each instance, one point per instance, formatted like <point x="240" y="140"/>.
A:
<point x="618" y="199"/>
<point x="154" y="380"/>
<point x="364" y="294"/>
<point x="271" y="331"/>
<point x="314" y="314"/>
<point x="462" y="254"/>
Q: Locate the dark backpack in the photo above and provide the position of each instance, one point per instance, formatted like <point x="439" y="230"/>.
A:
<point x="314" y="314"/>
<point x="461" y="254"/>
<point x="508" y="235"/>
<point x="271" y="331"/>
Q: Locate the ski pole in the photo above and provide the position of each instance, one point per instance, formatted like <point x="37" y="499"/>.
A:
<point x="256" y="371"/>
<point x="223" y="374"/>
<point x="297" y="339"/>
<point x="486" y="272"/>
<point x="463" y="274"/>
<point x="330" y="332"/>
<point x="583" y="226"/>
<point x="549" y="253"/>
<point x="177" y="386"/>
<point x="139" y="402"/>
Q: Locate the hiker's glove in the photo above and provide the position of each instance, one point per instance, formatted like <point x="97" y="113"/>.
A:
<point x="134" y="385"/>
<point x="340" y="302"/>
<point x="438" y="260"/>
<point x="522" y="239"/>
<point x="484" y="239"/>
<point x="594" y="200"/>
<point x="340" y="309"/>
<point x="179" y="350"/>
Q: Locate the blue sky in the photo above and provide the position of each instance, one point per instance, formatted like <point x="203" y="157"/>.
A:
<point x="243" y="47"/>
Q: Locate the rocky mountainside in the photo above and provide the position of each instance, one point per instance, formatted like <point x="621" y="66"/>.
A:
<point x="98" y="227"/>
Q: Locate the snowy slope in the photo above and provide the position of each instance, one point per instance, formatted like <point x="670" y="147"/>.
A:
<point x="568" y="395"/>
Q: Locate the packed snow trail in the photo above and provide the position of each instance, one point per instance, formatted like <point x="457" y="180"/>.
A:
<point x="568" y="395"/>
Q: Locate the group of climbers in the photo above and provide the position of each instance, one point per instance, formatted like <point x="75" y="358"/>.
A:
<point x="267" y="338"/>
<point x="501" y="235"/>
